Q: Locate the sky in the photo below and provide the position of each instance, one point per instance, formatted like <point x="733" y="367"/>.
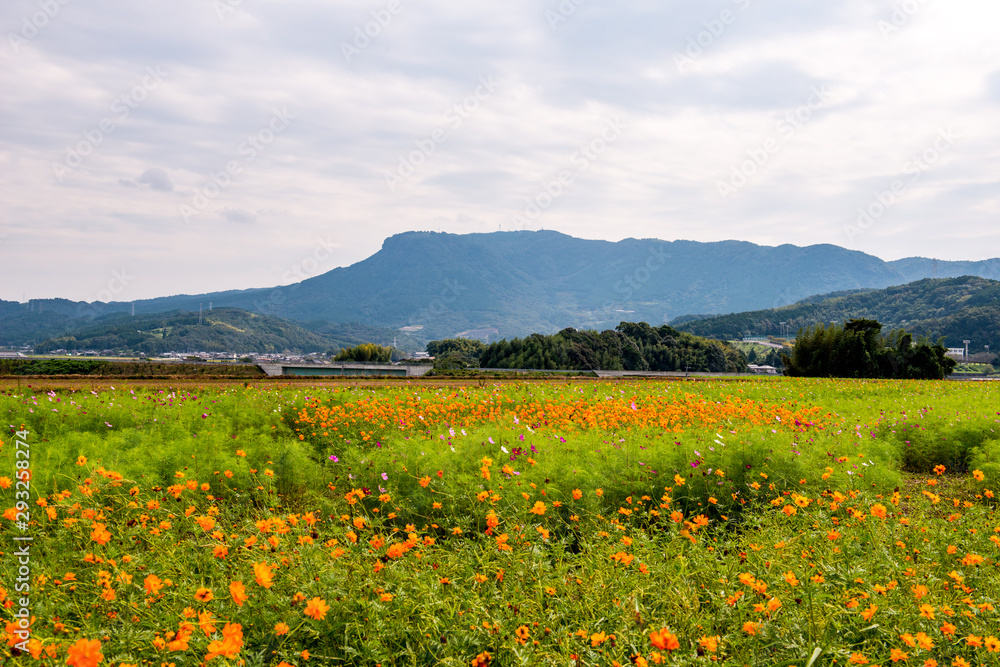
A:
<point x="158" y="148"/>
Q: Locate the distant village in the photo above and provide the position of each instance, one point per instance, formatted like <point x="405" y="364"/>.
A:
<point x="25" y="352"/>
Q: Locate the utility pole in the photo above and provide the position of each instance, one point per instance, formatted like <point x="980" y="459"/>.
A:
<point x="966" y="349"/>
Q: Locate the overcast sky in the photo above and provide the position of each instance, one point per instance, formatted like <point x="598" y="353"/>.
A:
<point x="183" y="146"/>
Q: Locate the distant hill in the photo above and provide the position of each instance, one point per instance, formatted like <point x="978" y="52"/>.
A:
<point x="220" y="330"/>
<point x="966" y="308"/>
<point x="437" y="285"/>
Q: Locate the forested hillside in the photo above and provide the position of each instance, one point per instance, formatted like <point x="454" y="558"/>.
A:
<point x="956" y="309"/>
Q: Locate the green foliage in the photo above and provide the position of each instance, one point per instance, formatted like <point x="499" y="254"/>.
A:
<point x="455" y="353"/>
<point x="130" y="369"/>
<point x="800" y="550"/>
<point x="461" y="347"/>
<point x="858" y="350"/>
<point x="632" y="346"/>
<point x="59" y="367"/>
<point x="366" y="352"/>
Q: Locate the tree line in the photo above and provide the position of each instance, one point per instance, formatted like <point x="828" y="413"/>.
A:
<point x="631" y="346"/>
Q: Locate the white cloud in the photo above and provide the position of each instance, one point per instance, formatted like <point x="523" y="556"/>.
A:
<point x="83" y="84"/>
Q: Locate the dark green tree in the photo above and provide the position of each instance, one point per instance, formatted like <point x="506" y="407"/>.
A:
<point x="858" y="349"/>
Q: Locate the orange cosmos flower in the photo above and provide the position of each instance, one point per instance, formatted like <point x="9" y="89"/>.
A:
<point x="152" y="584"/>
<point x="204" y="594"/>
<point x="281" y="629"/>
<point x="263" y="574"/>
<point x="317" y="608"/>
<point x="100" y="534"/>
<point x="710" y="644"/>
<point x="85" y="652"/>
<point x="238" y="592"/>
<point x="424" y="481"/>
<point x="599" y="638"/>
<point x="230" y="644"/>
<point x="206" y="622"/>
<point x="577" y="494"/>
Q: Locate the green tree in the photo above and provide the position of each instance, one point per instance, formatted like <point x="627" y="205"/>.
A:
<point x="858" y="349"/>
<point x="366" y="352"/>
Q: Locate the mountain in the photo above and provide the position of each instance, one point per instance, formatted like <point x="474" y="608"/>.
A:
<point x="966" y="308"/>
<point x="437" y="284"/>
<point x="915" y="268"/>
<point x="218" y="330"/>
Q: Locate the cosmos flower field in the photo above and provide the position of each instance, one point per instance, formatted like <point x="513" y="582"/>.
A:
<point x="770" y="521"/>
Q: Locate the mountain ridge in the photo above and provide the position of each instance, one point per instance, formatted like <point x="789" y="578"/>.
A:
<point x="526" y="282"/>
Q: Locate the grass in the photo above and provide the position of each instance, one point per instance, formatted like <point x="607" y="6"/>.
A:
<point x="751" y="522"/>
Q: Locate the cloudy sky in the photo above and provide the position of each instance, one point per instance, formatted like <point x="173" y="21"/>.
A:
<point x="155" y="148"/>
